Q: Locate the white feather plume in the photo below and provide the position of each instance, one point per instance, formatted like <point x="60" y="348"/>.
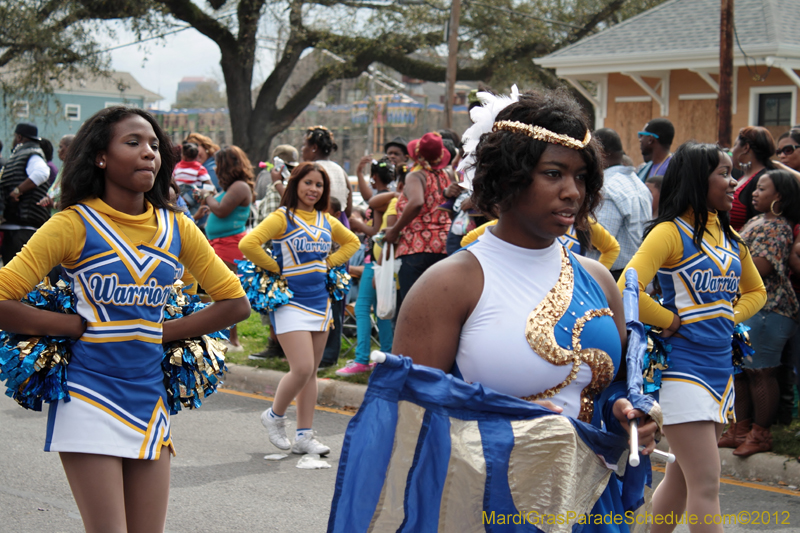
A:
<point x="483" y="118"/>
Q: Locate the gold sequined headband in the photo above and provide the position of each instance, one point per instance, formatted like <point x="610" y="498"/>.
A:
<point x="542" y="134"/>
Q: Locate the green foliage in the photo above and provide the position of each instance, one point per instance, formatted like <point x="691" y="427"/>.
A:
<point x="45" y="43"/>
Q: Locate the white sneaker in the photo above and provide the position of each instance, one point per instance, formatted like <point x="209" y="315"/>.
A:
<point x="308" y="444"/>
<point x="277" y="430"/>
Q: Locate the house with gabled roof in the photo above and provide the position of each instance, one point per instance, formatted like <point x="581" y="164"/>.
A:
<point x="71" y="103"/>
<point x="664" y="62"/>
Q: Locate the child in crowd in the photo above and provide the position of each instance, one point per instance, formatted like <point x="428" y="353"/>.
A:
<point x="190" y="175"/>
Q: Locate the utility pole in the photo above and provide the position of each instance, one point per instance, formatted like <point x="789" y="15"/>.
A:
<point x="725" y="99"/>
<point x="452" y="63"/>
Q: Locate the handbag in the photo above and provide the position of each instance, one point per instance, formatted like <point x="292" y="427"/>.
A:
<point x="385" y="285"/>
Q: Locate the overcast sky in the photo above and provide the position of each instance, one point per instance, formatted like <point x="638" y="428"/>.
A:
<point x="160" y="65"/>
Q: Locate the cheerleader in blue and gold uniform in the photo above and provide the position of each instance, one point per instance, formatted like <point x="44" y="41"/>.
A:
<point x="302" y="234"/>
<point x="122" y="245"/>
<point x="702" y="265"/>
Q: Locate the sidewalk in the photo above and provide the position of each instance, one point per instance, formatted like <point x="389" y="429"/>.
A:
<point x="764" y="467"/>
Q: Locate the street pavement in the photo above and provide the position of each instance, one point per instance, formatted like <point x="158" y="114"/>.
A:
<point x="222" y="483"/>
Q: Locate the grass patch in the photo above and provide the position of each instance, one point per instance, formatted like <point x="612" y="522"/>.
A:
<point x="785" y="439"/>
<point x="254" y="337"/>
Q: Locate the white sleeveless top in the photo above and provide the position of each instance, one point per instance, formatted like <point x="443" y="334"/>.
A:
<point x="493" y="349"/>
<point x="338" y="179"/>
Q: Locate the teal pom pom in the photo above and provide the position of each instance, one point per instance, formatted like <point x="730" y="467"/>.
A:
<point x="265" y="290"/>
<point x="338" y="282"/>
<point x="656" y="359"/>
<point x="34" y="369"/>
<point x="740" y="347"/>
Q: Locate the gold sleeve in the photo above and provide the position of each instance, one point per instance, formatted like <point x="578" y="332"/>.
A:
<point x="605" y="243"/>
<point x="754" y="295"/>
<point x="204" y="264"/>
<point x="272" y="226"/>
<point x="347" y="240"/>
<point x="473" y="235"/>
<point x="662" y="246"/>
<point x="59" y="241"/>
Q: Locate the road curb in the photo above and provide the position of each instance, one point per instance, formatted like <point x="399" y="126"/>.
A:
<point x="765" y="467"/>
<point x="244" y="378"/>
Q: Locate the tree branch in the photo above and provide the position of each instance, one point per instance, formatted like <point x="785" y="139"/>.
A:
<point x="188" y="12"/>
<point x="611" y="8"/>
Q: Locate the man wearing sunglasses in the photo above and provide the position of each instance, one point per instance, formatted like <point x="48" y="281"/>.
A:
<point x="654" y="142"/>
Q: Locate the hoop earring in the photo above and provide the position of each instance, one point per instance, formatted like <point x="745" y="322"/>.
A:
<point x="772" y="209"/>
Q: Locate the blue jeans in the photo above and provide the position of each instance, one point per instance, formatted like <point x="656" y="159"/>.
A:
<point x="769" y="332"/>
<point x="367" y="300"/>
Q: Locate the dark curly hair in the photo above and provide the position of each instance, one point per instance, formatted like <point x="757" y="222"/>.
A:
<point x="82" y="178"/>
<point x="322" y="138"/>
<point x="505" y="160"/>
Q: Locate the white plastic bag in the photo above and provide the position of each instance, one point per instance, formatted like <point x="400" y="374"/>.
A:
<point x="385" y="285"/>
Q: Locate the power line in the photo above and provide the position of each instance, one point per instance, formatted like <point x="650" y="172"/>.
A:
<point x="159" y="36"/>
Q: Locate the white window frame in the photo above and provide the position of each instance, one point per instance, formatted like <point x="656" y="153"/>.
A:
<point x="72" y="107"/>
<point x="21" y="108"/>
<point x="755" y="92"/>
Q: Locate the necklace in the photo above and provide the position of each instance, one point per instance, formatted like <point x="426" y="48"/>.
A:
<point x="660" y="166"/>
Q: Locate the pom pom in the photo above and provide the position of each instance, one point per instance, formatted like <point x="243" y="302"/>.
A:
<point x="656" y="359"/>
<point x="338" y="282"/>
<point x="34" y="369"/>
<point x="741" y="347"/>
<point x="193" y="368"/>
<point x="265" y="290"/>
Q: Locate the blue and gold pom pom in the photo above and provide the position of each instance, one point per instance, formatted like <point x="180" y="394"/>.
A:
<point x="265" y="290"/>
<point x="34" y="369"/>
<point x="741" y="347"/>
<point x="656" y="359"/>
<point x="338" y="282"/>
<point x="192" y="367"/>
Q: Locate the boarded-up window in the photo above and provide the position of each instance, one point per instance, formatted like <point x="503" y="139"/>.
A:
<point x="697" y="121"/>
<point x="632" y="116"/>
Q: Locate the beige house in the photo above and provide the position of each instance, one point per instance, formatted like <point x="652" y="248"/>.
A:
<point x="665" y="63"/>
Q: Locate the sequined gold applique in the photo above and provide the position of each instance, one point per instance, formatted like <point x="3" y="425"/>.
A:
<point x="540" y="332"/>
